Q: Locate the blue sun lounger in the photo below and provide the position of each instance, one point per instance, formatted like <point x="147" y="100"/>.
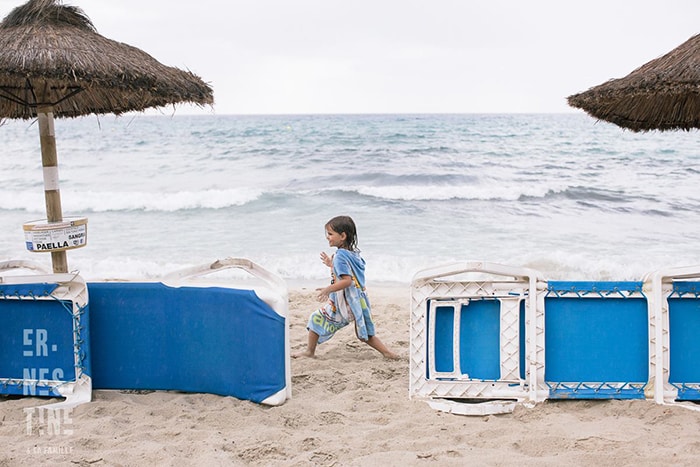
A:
<point x="193" y="337"/>
<point x="596" y="340"/>
<point x="188" y="333"/>
<point x="507" y="334"/>
<point x="44" y="336"/>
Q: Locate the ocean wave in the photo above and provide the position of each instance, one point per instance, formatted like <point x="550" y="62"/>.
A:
<point x="105" y="201"/>
<point x="593" y="196"/>
<point x="436" y="192"/>
<point x="488" y="191"/>
<point x="376" y="188"/>
<point x="422" y="187"/>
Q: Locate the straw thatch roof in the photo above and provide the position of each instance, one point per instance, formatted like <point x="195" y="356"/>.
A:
<point x="663" y="94"/>
<point x="51" y="54"/>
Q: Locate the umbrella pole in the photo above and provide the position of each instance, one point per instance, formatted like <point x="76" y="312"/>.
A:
<point x="49" y="162"/>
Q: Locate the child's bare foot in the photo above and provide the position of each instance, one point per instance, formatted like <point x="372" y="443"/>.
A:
<point x="391" y="355"/>
<point x="306" y="353"/>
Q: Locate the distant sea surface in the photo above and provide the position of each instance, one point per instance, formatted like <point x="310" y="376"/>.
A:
<point x="573" y="198"/>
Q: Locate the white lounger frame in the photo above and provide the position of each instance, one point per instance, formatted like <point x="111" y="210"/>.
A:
<point x="660" y="287"/>
<point x="452" y="285"/>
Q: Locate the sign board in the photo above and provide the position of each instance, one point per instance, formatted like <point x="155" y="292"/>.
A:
<point x="42" y="236"/>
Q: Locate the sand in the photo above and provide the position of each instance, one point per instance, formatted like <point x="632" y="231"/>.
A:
<point x="350" y="406"/>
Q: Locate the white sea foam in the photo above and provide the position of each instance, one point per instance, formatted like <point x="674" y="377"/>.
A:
<point x="100" y="201"/>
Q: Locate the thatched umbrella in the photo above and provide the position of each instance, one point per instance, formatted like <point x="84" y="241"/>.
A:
<point x="663" y="94"/>
<point x="54" y="63"/>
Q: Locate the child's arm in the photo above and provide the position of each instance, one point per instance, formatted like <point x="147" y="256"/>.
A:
<point x="342" y="282"/>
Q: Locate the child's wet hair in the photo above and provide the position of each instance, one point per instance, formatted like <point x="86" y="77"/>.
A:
<point x="345" y="224"/>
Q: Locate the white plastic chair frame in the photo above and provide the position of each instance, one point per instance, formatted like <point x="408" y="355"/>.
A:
<point x="660" y="285"/>
<point x="440" y="284"/>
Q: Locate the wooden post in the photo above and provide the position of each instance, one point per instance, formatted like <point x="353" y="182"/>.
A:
<point x="49" y="161"/>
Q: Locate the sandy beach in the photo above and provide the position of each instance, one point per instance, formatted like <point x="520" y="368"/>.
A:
<point x="350" y="406"/>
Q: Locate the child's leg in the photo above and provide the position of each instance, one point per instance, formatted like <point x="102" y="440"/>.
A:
<point x="310" y="346"/>
<point x="378" y="345"/>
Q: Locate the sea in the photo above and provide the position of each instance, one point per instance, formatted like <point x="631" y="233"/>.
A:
<point x="564" y="194"/>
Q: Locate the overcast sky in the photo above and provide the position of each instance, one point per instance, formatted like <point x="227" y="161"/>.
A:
<point x="396" y="56"/>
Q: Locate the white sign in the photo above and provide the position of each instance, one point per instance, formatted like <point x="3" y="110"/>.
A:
<point x="41" y="236"/>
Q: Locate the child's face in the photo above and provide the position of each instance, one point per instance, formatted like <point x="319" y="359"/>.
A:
<point x="334" y="238"/>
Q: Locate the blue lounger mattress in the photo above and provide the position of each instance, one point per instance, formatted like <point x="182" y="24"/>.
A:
<point x="194" y="339"/>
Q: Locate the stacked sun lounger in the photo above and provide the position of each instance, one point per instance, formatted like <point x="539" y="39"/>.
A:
<point x="486" y="336"/>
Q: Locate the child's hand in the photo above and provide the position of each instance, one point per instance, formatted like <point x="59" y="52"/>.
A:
<point x="322" y="295"/>
<point x="327" y="260"/>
